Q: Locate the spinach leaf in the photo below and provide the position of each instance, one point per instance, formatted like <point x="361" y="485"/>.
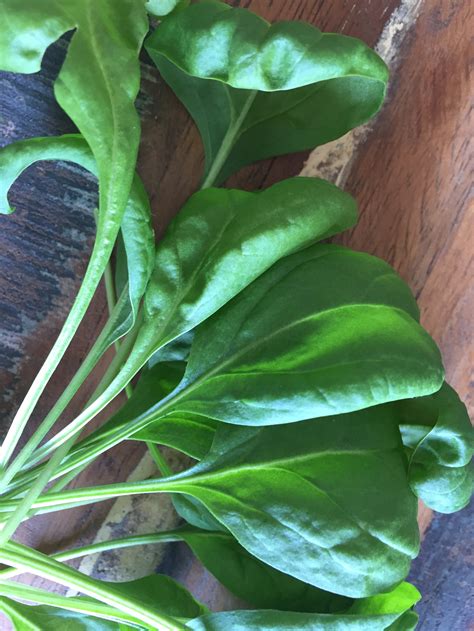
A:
<point x="324" y="331"/>
<point x="137" y="231"/>
<point x="440" y="439"/>
<point x="257" y="90"/>
<point x="223" y="239"/>
<point x="253" y="581"/>
<point x="326" y="502"/>
<point x="385" y="611"/>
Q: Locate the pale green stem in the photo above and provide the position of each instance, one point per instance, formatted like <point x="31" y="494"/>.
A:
<point x="101" y="253"/>
<point x="24" y="457"/>
<point x="52" y="502"/>
<point x="159" y="459"/>
<point x="42" y="597"/>
<point x="31" y="561"/>
<point x="169" y="536"/>
<point x="228" y="142"/>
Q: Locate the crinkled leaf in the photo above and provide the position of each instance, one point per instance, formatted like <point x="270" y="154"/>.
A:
<point x="440" y="438"/>
<point x="324" y="331"/>
<point x="312" y="87"/>
<point x="381" y="618"/>
<point x="326" y="501"/>
<point x="258" y="584"/>
<point x="137" y="231"/>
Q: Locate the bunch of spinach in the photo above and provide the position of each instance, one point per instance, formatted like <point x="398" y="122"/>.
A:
<point x="295" y="373"/>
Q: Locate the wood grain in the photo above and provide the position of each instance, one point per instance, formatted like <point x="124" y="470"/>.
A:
<point x="411" y="179"/>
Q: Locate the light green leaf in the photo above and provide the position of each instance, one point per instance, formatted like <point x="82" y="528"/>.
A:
<point x="440" y="438"/>
<point x="324" y="331"/>
<point x="373" y="619"/>
<point x="161" y="8"/>
<point x="256" y="583"/>
<point x="137" y="231"/>
<point x="257" y="90"/>
<point x="326" y="501"/>
<point x="223" y="239"/>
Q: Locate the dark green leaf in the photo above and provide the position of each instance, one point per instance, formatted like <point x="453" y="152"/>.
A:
<point x="255" y="582"/>
<point x="311" y="87"/>
<point x="325" y="331"/>
<point x="326" y="501"/>
<point x="440" y="438"/>
<point x="138" y="236"/>
<point x="391" y="607"/>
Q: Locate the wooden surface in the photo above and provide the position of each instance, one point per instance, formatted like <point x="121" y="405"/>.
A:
<point x="410" y="178"/>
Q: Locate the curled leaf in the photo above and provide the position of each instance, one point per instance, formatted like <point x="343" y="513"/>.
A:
<point x="257" y="90"/>
<point x="440" y="439"/>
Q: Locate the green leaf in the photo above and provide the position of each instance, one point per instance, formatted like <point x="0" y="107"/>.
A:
<point x="163" y="594"/>
<point x="137" y="231"/>
<point x="258" y="584"/>
<point x="223" y="239"/>
<point x="324" y="331"/>
<point x="257" y="90"/>
<point x="440" y="438"/>
<point x="161" y="8"/>
<point x="326" y="501"/>
<point x="390" y="609"/>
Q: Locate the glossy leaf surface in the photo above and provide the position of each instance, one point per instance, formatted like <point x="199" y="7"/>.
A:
<point x="440" y="438"/>
<point x="379" y="615"/>
<point x="326" y="501"/>
<point x="256" y="583"/>
<point x="223" y="239"/>
<point x="325" y="331"/>
<point x="257" y="90"/>
<point x="137" y="231"/>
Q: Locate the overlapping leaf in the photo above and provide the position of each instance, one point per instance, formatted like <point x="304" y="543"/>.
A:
<point x="325" y="331"/>
<point x="327" y="501"/>
<point x="440" y="438"/>
<point x="137" y="231"/>
<point x="385" y="612"/>
<point x="257" y="90"/>
<point x="223" y="239"/>
<point x="256" y="583"/>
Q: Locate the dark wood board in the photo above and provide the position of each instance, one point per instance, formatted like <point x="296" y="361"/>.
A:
<point x="410" y="178"/>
